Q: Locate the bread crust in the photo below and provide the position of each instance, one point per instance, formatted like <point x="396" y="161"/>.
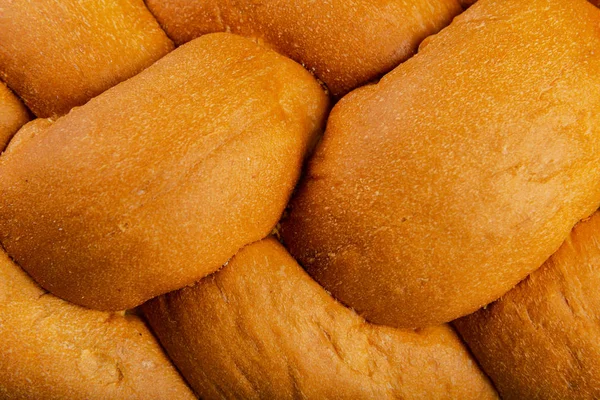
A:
<point x="13" y="115"/>
<point x="160" y="180"/>
<point x="261" y="328"/>
<point x="346" y="43"/>
<point x="54" y="350"/>
<point x="437" y="190"/>
<point x="58" y="54"/>
<point x="541" y="340"/>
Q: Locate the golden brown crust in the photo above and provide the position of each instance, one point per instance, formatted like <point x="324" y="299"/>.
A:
<point x="542" y="339"/>
<point x="51" y="349"/>
<point x="345" y="42"/>
<point x="440" y="188"/>
<point x="12" y="115"/>
<point x="57" y="54"/>
<point x="467" y="3"/>
<point x="160" y="180"/>
<point x="262" y="328"/>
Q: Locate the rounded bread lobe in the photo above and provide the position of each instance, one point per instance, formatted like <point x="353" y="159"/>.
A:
<point x="346" y="43"/>
<point x="160" y="180"/>
<point x="541" y="340"/>
<point x="54" y="350"/>
<point x="13" y="115"/>
<point x="437" y="190"/>
<point x="58" y="54"/>
<point x="262" y="328"/>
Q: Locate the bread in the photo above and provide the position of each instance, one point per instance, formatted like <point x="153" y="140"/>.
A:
<point x="159" y="181"/>
<point x="261" y="328"/>
<point x="58" y="54"/>
<point x="437" y="190"/>
<point x="163" y="180"/>
<point x="541" y="340"/>
<point x="12" y="115"/>
<point x="345" y="42"/>
<point x="466" y="3"/>
<point x="51" y="349"/>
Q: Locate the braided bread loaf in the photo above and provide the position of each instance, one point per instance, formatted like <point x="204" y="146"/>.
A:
<point x="158" y="180"/>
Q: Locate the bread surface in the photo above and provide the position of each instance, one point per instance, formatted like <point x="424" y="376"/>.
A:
<point x="160" y="180"/>
<point x="437" y="190"/>
<point x="58" y="54"/>
<point x="155" y="177"/>
<point x="345" y="42"/>
<point x="13" y="115"/>
<point x="261" y="328"/>
<point x="541" y="340"/>
<point x="53" y="350"/>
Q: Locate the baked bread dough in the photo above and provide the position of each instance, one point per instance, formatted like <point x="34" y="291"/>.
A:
<point x="437" y="190"/>
<point x="58" y="54"/>
<point x="346" y="43"/>
<point x="13" y="115"/>
<point x="434" y="192"/>
<point x="541" y="340"/>
<point x="160" y="180"/>
<point x="261" y="328"/>
<point x="53" y="350"/>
